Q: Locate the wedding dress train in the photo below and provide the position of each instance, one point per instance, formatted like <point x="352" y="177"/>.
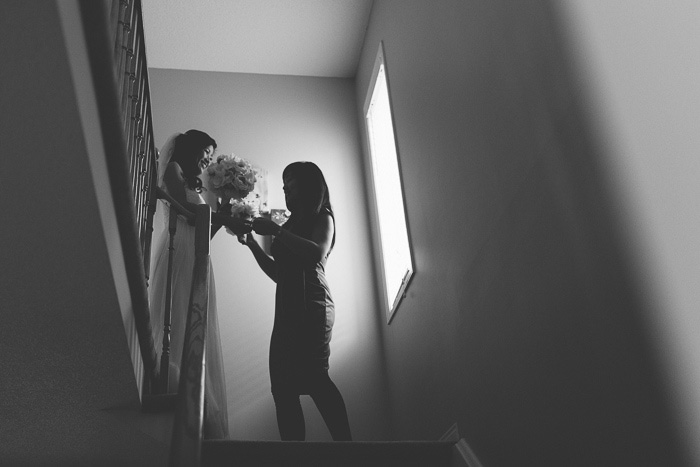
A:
<point x="215" y="405"/>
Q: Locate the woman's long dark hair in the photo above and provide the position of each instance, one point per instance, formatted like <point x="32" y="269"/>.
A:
<point x="186" y="152"/>
<point x="314" y="196"/>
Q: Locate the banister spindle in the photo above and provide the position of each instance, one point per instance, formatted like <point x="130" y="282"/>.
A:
<point x="167" y="318"/>
<point x="152" y="201"/>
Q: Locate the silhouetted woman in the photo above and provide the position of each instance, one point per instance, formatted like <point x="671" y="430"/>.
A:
<point x="304" y="310"/>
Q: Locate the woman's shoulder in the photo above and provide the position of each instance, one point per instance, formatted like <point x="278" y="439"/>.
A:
<point x="173" y="170"/>
<point x="325" y="220"/>
<point x="324" y="217"/>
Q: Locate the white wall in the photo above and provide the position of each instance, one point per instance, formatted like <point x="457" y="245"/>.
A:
<point x="275" y="120"/>
<point x="525" y="322"/>
<point x="641" y="65"/>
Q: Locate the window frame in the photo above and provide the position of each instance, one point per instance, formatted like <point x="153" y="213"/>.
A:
<point x="389" y="308"/>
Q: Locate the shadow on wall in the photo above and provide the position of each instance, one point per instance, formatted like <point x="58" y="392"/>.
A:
<point x="526" y="320"/>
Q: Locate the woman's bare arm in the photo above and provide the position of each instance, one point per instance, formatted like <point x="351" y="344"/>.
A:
<point x="313" y="250"/>
<point x="266" y="262"/>
<point x="175" y="183"/>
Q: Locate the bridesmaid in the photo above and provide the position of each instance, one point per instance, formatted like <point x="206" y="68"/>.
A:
<point x="304" y="310"/>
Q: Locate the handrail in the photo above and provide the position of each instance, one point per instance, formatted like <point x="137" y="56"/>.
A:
<point x="94" y="17"/>
<point x="186" y="445"/>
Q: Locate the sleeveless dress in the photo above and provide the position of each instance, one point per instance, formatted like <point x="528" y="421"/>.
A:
<point x="304" y="316"/>
<point x="215" y="405"/>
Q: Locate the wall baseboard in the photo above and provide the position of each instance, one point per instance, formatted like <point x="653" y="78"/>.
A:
<point x="452" y="434"/>
<point x="462" y="454"/>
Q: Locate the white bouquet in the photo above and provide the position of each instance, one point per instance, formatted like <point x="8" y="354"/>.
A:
<point x="231" y="177"/>
<point x="233" y="180"/>
<point x="245" y="209"/>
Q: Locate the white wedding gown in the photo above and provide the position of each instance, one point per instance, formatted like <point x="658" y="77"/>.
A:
<point x="215" y="405"/>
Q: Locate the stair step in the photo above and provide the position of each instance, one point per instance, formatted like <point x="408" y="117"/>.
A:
<point x="220" y="453"/>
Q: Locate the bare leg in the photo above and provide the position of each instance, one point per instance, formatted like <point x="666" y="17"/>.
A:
<point x="290" y="418"/>
<point x="331" y="405"/>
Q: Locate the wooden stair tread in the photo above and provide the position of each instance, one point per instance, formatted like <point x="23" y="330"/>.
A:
<point x="219" y="453"/>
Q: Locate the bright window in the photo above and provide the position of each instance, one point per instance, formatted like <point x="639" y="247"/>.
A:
<point x="396" y="260"/>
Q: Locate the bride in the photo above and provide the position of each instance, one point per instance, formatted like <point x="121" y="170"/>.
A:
<point x="183" y="159"/>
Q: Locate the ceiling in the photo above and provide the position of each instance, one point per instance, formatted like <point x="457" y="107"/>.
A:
<point x="279" y="37"/>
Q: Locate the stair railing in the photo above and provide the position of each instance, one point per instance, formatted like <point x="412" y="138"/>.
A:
<point x="129" y="57"/>
<point x="130" y="63"/>
<point x="112" y="31"/>
<point x="135" y="101"/>
<point x="116" y="50"/>
<point x="134" y="97"/>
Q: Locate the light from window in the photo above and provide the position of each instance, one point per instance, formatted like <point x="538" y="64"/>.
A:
<point x="397" y="264"/>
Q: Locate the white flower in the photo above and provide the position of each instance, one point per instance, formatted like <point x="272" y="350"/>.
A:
<point x="216" y="178"/>
<point x="244" y="209"/>
<point x="231" y="177"/>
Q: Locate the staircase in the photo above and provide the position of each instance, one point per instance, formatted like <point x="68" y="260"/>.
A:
<point x="91" y="414"/>
<point x="235" y="453"/>
<point x="221" y="453"/>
